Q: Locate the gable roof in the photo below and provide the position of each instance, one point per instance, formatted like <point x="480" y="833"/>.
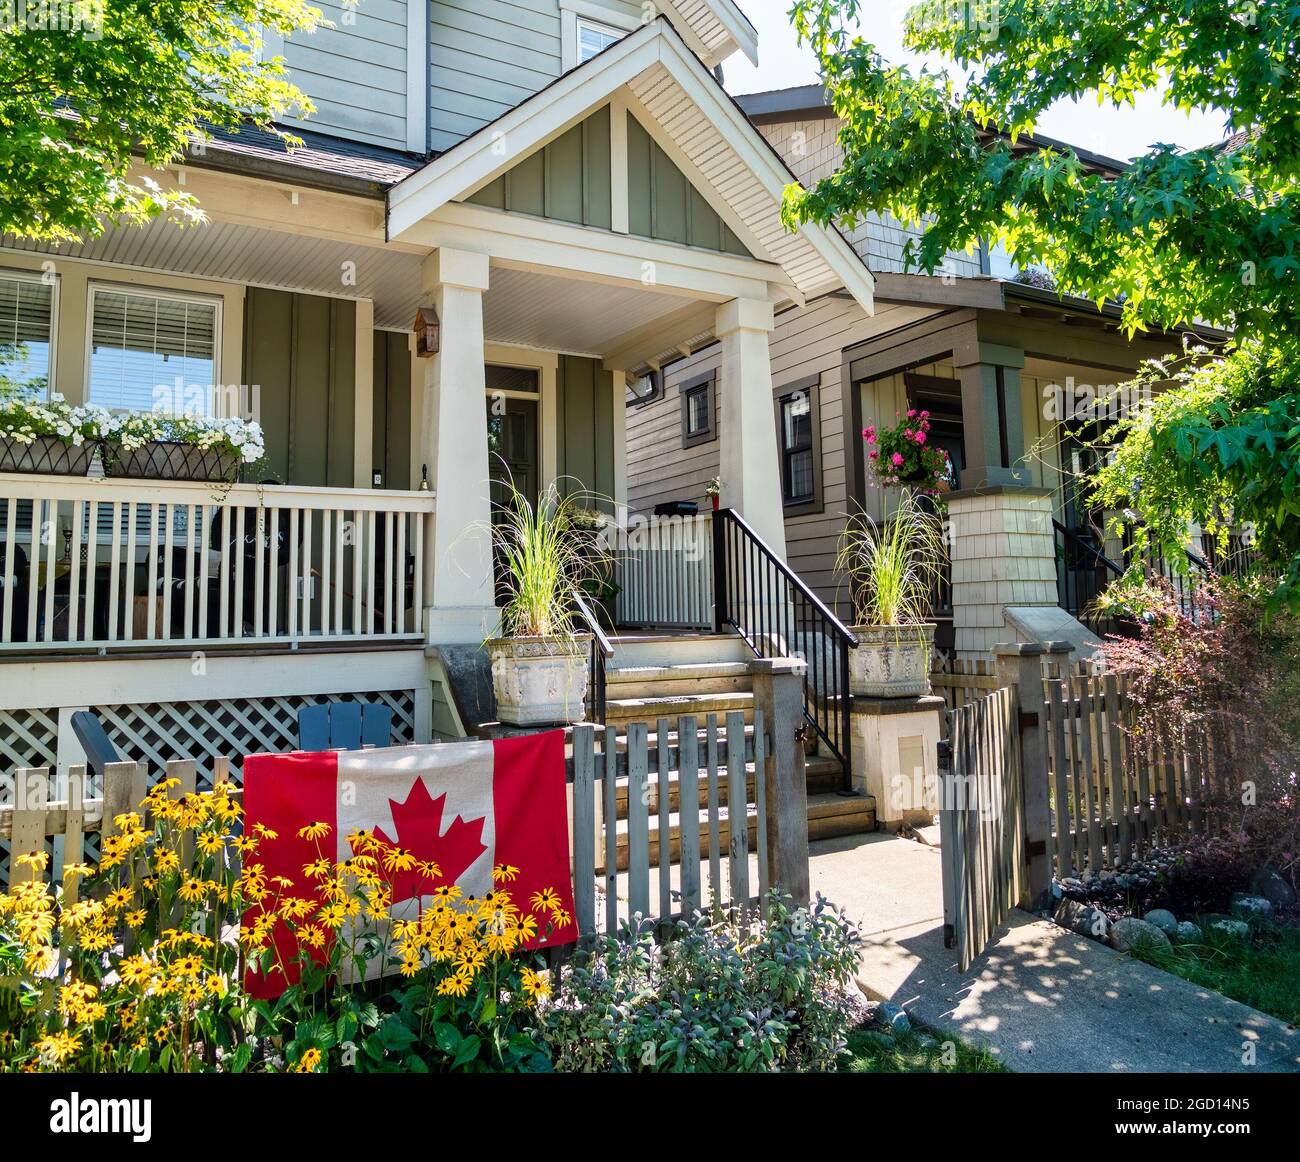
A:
<point x="667" y="80"/>
<point x="720" y="25"/>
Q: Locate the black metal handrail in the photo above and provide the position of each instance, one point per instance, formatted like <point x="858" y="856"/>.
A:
<point x="772" y="608"/>
<point x="1082" y="572"/>
<point x="602" y="649"/>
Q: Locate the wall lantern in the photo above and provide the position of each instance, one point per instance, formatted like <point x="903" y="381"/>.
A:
<point x="426" y="332"/>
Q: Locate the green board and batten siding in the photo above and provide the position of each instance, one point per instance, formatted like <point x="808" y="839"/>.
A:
<point x="300" y="350"/>
<point x="567" y="180"/>
<point x="391" y="442"/>
<point x="584" y="417"/>
<point x="664" y="205"/>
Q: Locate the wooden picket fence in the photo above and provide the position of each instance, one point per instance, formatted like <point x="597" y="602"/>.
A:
<point x="674" y="827"/>
<point x="981" y="822"/>
<point x="629" y="832"/>
<point x="1114" y="796"/>
<point x="960" y="681"/>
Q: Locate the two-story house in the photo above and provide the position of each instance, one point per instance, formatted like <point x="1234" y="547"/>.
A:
<point x="568" y="190"/>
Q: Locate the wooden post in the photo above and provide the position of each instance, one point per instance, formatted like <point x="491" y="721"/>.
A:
<point x="778" y="693"/>
<point x="1021" y="665"/>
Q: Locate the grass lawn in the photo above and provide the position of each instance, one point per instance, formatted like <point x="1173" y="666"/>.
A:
<point x="1262" y="971"/>
<point x="875" y="1051"/>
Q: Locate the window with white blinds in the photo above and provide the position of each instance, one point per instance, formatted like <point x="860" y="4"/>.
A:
<point x="594" y="38"/>
<point x="26" y="334"/>
<point x="153" y="351"/>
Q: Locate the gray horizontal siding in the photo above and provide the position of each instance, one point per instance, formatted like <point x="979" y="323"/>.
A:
<point x="355" y="72"/>
<point x="806" y="342"/>
<point x="487" y="56"/>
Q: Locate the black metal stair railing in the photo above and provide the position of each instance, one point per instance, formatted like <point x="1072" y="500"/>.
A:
<point x="1083" y="572"/>
<point x="602" y="649"/>
<point x="759" y="596"/>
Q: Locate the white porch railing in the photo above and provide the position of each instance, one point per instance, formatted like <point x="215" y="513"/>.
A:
<point x="117" y="563"/>
<point x="665" y="572"/>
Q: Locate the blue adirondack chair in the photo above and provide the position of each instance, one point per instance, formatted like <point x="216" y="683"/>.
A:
<point x="344" y="726"/>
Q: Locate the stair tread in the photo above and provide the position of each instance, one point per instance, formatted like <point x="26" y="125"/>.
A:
<point x="735" y="699"/>
<point x="828" y="805"/>
<point x="816" y="766"/>
<point x="670" y="670"/>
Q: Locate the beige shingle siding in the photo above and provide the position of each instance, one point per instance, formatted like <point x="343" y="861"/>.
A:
<point x="355" y="72"/>
<point x="811" y="150"/>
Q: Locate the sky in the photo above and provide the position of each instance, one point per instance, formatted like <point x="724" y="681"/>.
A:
<point x="1121" y="134"/>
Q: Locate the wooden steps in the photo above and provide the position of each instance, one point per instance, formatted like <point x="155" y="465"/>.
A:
<point x="829" y="815"/>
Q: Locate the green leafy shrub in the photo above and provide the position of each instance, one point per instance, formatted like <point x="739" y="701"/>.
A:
<point x="716" y="997"/>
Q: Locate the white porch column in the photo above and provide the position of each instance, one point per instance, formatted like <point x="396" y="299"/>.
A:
<point x="458" y="570"/>
<point x="750" y="467"/>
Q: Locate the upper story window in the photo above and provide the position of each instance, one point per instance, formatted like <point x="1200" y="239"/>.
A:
<point x="26" y="334"/>
<point x="153" y="350"/>
<point x="594" y="38"/>
<point x="588" y="27"/>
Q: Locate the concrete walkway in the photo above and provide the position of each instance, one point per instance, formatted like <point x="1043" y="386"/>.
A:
<point x="1041" y="998"/>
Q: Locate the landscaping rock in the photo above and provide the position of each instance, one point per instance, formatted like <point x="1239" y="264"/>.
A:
<point x="1163" y="919"/>
<point x="1189" y="933"/>
<point x="1235" y="928"/>
<point x="1131" y="932"/>
<point x="1251" y="907"/>
<point x="893" y="1017"/>
<point x="1083" y="919"/>
<point x="1273" y="887"/>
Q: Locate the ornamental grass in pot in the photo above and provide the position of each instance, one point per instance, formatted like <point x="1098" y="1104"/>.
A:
<point x="546" y="553"/>
<point x="894" y="569"/>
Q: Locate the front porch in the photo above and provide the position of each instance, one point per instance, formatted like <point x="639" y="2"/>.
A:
<point x="624" y="217"/>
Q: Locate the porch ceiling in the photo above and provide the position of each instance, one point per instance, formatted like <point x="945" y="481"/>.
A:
<point x="530" y="309"/>
<point x="244" y="254"/>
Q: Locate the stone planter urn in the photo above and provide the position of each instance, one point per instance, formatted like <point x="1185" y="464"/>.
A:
<point x="891" y="661"/>
<point x="539" y="681"/>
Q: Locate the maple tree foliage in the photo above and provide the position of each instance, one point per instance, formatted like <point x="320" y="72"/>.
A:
<point x="1209" y="235"/>
<point x="92" y="93"/>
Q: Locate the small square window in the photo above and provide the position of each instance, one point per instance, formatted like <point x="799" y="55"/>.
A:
<point x="697" y="411"/>
<point x="595" y="38"/>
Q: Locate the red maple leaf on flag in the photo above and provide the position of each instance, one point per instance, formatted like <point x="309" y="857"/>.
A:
<point x="418" y="823"/>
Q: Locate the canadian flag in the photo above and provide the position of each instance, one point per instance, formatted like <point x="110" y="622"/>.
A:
<point x="468" y="807"/>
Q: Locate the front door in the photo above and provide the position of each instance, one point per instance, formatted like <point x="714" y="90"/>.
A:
<point x="512" y="438"/>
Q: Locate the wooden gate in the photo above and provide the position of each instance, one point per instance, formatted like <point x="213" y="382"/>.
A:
<point x="982" y="822"/>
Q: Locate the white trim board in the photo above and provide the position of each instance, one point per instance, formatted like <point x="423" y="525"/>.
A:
<point x="823" y="256"/>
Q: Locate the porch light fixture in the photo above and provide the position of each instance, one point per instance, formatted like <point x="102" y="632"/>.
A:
<point x="427" y="330"/>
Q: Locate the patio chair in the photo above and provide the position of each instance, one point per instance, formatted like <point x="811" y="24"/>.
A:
<point x="94" y="740"/>
<point x="344" y="726"/>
